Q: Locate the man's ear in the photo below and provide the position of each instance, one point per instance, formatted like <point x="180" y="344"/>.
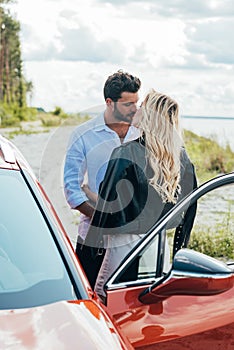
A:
<point x="108" y="101"/>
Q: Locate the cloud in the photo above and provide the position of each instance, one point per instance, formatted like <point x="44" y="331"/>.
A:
<point x="35" y="48"/>
<point x="189" y="61"/>
<point x="208" y="45"/>
<point x="81" y="45"/>
<point x="73" y="44"/>
<point x="214" y="40"/>
<point x="80" y="36"/>
<point x="181" y="47"/>
<point x="196" y="9"/>
<point x="183" y="8"/>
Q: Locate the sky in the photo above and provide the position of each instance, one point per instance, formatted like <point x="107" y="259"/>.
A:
<point x="180" y="47"/>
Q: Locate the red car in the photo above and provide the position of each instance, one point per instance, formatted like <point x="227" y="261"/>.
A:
<point x="46" y="301"/>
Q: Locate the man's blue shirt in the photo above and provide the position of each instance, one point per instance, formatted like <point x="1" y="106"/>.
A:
<point x="88" y="152"/>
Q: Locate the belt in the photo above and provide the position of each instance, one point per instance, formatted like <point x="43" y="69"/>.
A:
<point x="95" y="250"/>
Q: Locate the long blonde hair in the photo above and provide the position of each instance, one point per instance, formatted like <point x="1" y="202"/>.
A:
<point x="163" y="142"/>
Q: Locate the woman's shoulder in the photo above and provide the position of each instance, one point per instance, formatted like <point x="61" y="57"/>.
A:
<point x="129" y="146"/>
<point x="184" y="156"/>
<point x="127" y="154"/>
<point x="187" y="166"/>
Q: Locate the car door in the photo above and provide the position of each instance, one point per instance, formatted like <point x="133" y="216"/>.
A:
<point x="186" y="301"/>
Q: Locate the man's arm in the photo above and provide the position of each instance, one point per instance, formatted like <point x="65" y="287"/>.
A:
<point x="74" y="170"/>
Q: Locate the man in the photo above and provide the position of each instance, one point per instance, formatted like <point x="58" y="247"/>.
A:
<point x="88" y="152"/>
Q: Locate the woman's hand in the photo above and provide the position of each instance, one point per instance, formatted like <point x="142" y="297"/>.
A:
<point x="91" y="195"/>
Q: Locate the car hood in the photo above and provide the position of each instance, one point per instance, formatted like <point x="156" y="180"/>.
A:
<point x="63" y="325"/>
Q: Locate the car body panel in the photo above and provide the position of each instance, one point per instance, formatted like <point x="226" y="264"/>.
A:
<point x="62" y="325"/>
<point x="176" y="317"/>
<point x="216" y="339"/>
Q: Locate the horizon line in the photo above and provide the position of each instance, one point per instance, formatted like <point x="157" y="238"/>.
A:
<point x="205" y="117"/>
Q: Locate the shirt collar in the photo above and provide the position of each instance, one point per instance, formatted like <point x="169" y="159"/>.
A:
<point x="100" y="125"/>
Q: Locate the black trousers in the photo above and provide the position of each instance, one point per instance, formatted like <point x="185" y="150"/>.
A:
<point x="90" y="259"/>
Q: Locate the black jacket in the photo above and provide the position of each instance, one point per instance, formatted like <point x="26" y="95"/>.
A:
<point x="127" y="203"/>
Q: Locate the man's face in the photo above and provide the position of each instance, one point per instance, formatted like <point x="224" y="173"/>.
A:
<point x="126" y="106"/>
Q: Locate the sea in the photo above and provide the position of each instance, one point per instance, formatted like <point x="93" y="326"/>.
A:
<point x="220" y="129"/>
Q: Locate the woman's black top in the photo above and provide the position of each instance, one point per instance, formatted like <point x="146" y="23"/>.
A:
<point x="127" y="203"/>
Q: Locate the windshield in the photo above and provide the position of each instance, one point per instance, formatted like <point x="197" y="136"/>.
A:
<point x="32" y="272"/>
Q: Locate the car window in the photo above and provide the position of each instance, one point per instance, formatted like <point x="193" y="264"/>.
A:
<point x="149" y="258"/>
<point x="150" y="262"/>
<point x="32" y="271"/>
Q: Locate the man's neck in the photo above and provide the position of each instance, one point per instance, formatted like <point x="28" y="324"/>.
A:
<point x="120" y="128"/>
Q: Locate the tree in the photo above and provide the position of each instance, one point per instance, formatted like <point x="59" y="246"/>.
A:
<point x="13" y="86"/>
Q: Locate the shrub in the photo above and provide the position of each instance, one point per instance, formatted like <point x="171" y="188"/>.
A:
<point x="216" y="245"/>
<point x="12" y="114"/>
<point x="208" y="157"/>
<point x="215" y="240"/>
<point x="59" y="112"/>
<point x="49" y="119"/>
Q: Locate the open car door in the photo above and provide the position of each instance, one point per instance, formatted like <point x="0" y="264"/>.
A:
<point x="185" y="301"/>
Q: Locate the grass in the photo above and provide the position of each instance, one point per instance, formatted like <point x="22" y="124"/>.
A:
<point x="214" y="236"/>
<point x="213" y="241"/>
<point x="209" y="158"/>
<point x="13" y="133"/>
<point x="216" y="239"/>
<point x="50" y="120"/>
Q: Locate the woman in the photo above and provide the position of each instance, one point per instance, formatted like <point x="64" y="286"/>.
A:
<point x="144" y="179"/>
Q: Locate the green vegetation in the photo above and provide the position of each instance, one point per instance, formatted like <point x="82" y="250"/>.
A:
<point x="209" y="158"/>
<point x="20" y="131"/>
<point x="219" y="245"/>
<point x="216" y="240"/>
<point x="59" y="117"/>
<point x="53" y="118"/>
<point x="13" y="86"/>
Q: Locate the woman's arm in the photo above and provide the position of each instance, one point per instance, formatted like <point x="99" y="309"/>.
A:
<point x="91" y="195"/>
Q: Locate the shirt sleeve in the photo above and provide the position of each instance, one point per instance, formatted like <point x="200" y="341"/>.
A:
<point x="74" y="171"/>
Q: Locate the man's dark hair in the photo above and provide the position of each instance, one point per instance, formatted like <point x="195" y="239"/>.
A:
<point x="120" y="82"/>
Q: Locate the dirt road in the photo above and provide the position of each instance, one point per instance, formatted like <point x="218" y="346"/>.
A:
<point x="45" y="152"/>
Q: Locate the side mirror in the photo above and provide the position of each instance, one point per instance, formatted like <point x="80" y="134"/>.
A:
<point x="192" y="273"/>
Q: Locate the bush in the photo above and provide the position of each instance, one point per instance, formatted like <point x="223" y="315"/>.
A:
<point x="59" y="112"/>
<point x="216" y="245"/>
<point x="215" y="240"/>
<point x="12" y="114"/>
<point x="49" y="119"/>
<point x="209" y="158"/>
